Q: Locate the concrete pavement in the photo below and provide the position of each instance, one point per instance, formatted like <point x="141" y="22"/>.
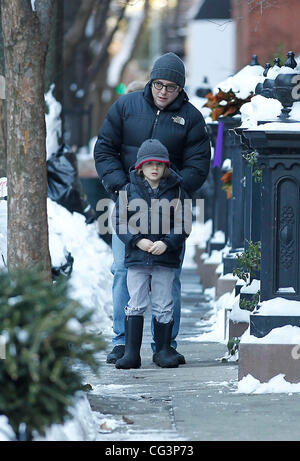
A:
<point x="195" y="402"/>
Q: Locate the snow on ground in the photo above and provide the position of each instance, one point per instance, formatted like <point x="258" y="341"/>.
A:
<point x="215" y="329"/>
<point x="91" y="279"/>
<point x="91" y="283"/>
<point x="199" y="235"/>
<point x="82" y="426"/>
<point x="276" y="385"/>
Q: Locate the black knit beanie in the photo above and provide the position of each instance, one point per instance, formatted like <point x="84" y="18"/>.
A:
<point x="169" y="67"/>
<point x="152" y="150"/>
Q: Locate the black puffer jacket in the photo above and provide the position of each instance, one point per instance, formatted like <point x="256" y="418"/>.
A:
<point x="132" y="119"/>
<point x="130" y="230"/>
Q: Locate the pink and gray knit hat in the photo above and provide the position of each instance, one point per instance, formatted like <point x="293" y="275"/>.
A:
<point x="152" y="150"/>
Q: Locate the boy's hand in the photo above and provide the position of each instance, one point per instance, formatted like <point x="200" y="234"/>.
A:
<point x="158" y="248"/>
<point x="144" y="244"/>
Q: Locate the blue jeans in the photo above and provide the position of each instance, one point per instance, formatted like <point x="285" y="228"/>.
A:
<point x="121" y="295"/>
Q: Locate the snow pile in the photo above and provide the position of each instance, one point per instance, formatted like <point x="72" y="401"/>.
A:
<point x="198" y="237"/>
<point x="91" y="279"/>
<point x="243" y="82"/>
<point x="3" y="233"/>
<point x="259" y="108"/>
<point x="218" y="237"/>
<point x="279" y="306"/>
<point x="53" y="122"/>
<point x="276" y="385"/>
<point x="216" y="327"/>
<point x="237" y="314"/>
<point x="91" y="284"/>
<point x="253" y="288"/>
<point x="81" y="427"/>
<point x="282" y="335"/>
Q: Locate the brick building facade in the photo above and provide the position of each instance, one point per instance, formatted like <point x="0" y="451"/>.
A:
<point x="264" y="28"/>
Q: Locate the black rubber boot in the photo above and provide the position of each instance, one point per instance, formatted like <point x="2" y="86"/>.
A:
<point x="164" y="356"/>
<point x="115" y="354"/>
<point x="133" y="341"/>
<point x="180" y="357"/>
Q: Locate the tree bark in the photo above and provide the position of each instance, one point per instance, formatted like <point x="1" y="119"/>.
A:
<point x="2" y="109"/>
<point x="26" y="34"/>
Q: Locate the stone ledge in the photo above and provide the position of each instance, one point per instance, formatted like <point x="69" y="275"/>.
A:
<point x="237" y="329"/>
<point x="197" y="258"/>
<point x="224" y="285"/>
<point x="207" y="271"/>
<point x="264" y="361"/>
<point x="208" y="275"/>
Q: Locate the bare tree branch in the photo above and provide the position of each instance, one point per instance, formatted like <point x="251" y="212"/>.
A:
<point x="76" y="32"/>
<point x="120" y="61"/>
<point x="98" y="60"/>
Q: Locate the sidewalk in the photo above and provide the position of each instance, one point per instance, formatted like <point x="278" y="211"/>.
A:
<point x="197" y="401"/>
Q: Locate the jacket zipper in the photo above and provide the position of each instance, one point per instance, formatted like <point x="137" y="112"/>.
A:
<point x="155" y="123"/>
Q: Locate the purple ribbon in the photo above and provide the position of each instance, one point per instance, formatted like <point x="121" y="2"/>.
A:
<point x="219" y="146"/>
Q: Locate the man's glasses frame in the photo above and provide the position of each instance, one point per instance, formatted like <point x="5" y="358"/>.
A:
<point x="159" y="86"/>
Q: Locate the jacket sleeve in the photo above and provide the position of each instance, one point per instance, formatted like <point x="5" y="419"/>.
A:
<point x="196" y="155"/>
<point x="107" y="151"/>
<point x="120" y="222"/>
<point x="182" y="223"/>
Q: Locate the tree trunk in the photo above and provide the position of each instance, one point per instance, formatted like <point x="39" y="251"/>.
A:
<point x="2" y="109"/>
<point x="25" y="34"/>
<point x="54" y="69"/>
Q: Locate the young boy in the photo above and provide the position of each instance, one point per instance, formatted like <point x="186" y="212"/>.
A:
<point x="153" y="244"/>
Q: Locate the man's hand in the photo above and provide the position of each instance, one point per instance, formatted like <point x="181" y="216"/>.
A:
<point x="158" y="248"/>
<point x="144" y="244"/>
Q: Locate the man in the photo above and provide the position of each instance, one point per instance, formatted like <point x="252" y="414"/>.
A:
<point x="160" y="111"/>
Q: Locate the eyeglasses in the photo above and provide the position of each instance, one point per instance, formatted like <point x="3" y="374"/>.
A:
<point x="170" y="88"/>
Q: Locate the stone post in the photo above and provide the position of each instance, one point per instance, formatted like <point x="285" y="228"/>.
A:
<point x="238" y="194"/>
<point x="219" y="221"/>
<point x="251" y="196"/>
<point x="279" y="157"/>
<point x="232" y="150"/>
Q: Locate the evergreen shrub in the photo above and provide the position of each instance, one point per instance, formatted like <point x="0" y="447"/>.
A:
<point x="47" y="336"/>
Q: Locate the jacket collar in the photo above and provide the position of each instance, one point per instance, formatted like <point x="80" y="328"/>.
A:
<point x="174" y="106"/>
